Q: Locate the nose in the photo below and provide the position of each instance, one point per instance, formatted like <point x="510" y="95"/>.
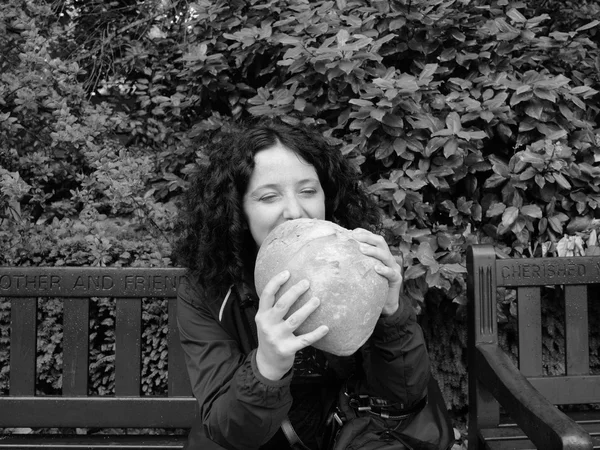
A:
<point x="292" y="209"/>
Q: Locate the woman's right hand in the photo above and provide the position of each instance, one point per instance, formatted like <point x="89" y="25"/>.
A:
<point x="277" y="344"/>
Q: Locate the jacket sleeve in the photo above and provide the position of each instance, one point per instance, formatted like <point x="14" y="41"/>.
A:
<point x="395" y="359"/>
<point x="239" y="408"/>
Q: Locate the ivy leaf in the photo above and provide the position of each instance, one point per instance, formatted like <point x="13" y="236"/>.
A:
<point x="426" y="257"/>
<point x="454" y="269"/>
<point x="414" y="272"/>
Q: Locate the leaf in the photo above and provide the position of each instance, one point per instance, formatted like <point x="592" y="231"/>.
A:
<point x="545" y="94"/>
<point x="555" y="224"/>
<point x="580" y="90"/>
<point x="392" y="120"/>
<point x="342" y="37"/>
<point x="533" y="211"/>
<point x="592" y="24"/>
<point x="534" y="110"/>
<point x="414" y="272"/>
<point x="453" y="122"/>
<point x="578" y="224"/>
<point x="434" y="144"/>
<point x="494" y="181"/>
<point x="454" y="268"/>
<point x="407" y="85"/>
<point x="397" y="23"/>
<point x="382" y="185"/>
<point x="516" y="16"/>
<point x="561" y="180"/>
<point x="450" y="147"/>
<point x="425" y="255"/>
<point x="428" y="72"/>
<point x="528" y="174"/>
<point x="509" y="216"/>
<point x="360" y="102"/>
<point x="468" y="135"/>
<point x="378" y="114"/>
<point x="458" y="35"/>
<point x="495" y="210"/>
<point x="287" y="40"/>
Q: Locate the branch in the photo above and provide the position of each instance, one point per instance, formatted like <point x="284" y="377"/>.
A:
<point x="119" y="31"/>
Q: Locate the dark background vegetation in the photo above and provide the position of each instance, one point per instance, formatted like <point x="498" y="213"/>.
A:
<point x="471" y="121"/>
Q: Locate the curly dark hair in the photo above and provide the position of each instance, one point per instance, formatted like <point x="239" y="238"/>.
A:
<point x="215" y="244"/>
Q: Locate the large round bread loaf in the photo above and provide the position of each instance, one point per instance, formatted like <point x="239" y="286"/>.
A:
<point x="352" y="294"/>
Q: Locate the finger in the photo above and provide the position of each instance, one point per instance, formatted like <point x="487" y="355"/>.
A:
<point x="374" y="251"/>
<point x="362" y="235"/>
<point x="310" y="338"/>
<point x="393" y="275"/>
<point x="290" y="297"/>
<point x="267" y="297"/>
<point x="298" y="318"/>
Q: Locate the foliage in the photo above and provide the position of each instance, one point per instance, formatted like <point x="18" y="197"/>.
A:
<point x="469" y="120"/>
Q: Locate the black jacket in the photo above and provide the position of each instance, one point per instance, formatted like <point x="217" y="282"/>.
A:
<point x="240" y="409"/>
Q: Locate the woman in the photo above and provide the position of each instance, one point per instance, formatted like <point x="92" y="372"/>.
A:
<point x="248" y="370"/>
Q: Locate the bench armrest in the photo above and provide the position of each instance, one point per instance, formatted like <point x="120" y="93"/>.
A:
<point x="544" y="424"/>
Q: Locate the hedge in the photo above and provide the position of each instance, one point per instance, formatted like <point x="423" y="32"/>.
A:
<point x="470" y="122"/>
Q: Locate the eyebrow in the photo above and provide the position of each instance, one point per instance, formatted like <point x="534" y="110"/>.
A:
<point x="275" y="185"/>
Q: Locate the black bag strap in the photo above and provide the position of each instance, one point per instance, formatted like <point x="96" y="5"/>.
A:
<point x="291" y="435"/>
<point x="249" y="311"/>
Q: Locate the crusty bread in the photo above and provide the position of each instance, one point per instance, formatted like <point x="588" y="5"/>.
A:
<point x="352" y="294"/>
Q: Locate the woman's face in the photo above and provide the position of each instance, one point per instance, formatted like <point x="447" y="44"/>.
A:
<point x="283" y="186"/>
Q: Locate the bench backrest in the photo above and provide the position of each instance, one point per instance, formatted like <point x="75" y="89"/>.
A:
<point x="75" y="408"/>
<point x="572" y="277"/>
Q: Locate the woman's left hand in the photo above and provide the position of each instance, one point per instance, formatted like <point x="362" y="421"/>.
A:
<point x="374" y="245"/>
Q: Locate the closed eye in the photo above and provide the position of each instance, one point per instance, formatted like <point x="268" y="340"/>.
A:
<point x="268" y="198"/>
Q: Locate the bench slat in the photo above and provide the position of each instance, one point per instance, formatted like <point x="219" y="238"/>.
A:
<point x="75" y="346"/>
<point x="530" y="331"/>
<point x="569" y="390"/>
<point x="96" y="442"/>
<point x="23" y="345"/>
<point x="89" y="282"/>
<point x="128" y="352"/>
<point x="178" y="383"/>
<point x="101" y="412"/>
<point x="509" y="438"/>
<point x="576" y="330"/>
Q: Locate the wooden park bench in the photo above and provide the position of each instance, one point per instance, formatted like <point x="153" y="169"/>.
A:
<point x="527" y="395"/>
<point x="75" y="408"/>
